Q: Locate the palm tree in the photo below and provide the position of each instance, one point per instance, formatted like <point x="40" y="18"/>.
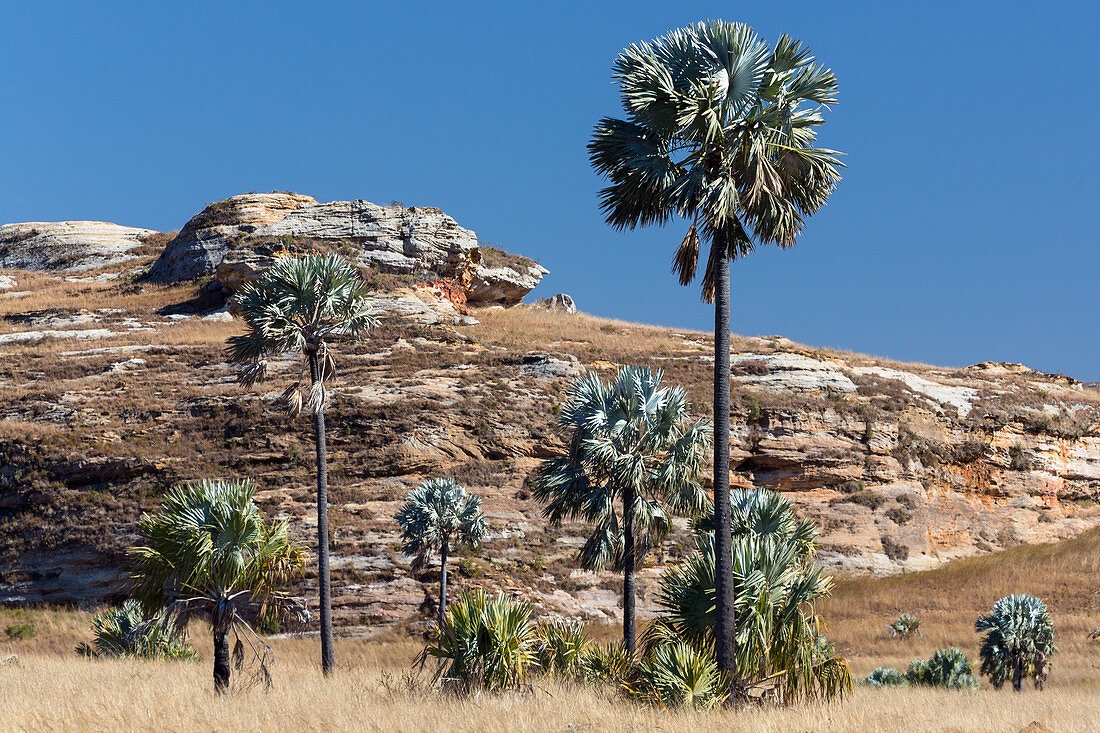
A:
<point x="1019" y="641"/>
<point x="208" y="551"/>
<point x="437" y="515"/>
<point x="300" y="305"/>
<point x="126" y="632"/>
<point x="719" y="129"/>
<point x="776" y="583"/>
<point x="632" y="443"/>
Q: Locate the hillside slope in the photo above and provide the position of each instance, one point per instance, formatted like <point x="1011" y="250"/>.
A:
<point x="118" y="389"/>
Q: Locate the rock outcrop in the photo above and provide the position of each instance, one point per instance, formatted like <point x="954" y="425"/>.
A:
<point x="236" y="239"/>
<point x="502" y="278"/>
<point x="560" y="303"/>
<point x="68" y="246"/>
<point x="201" y="245"/>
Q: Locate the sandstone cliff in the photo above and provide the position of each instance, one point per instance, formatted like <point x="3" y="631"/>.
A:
<point x="114" y="397"/>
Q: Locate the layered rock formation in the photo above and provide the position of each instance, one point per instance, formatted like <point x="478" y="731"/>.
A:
<point x="68" y="246"/>
<point x="201" y="245"/>
<point x="237" y="238"/>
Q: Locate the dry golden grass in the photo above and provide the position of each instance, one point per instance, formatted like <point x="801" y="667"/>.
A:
<point x="63" y="692"/>
<point x="370" y="691"/>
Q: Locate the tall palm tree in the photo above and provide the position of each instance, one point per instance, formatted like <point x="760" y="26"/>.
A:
<point x="301" y="304"/>
<point x="631" y="443"/>
<point x="719" y="130"/>
<point x="208" y="551"/>
<point x="437" y="515"/>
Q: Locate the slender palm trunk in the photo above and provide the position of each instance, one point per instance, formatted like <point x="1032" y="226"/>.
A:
<point x="221" y="662"/>
<point x="443" y="581"/>
<point x="324" y="580"/>
<point x="725" y="652"/>
<point x="629" y="640"/>
<point x="1018" y="676"/>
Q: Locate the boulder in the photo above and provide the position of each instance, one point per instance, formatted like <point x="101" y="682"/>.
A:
<point x="561" y="303"/>
<point x="68" y="246"/>
<point x="502" y="278"/>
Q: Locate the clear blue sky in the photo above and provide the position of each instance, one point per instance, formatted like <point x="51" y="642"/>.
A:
<point x="964" y="229"/>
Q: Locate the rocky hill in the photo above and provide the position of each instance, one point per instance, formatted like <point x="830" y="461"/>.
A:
<point x="117" y="387"/>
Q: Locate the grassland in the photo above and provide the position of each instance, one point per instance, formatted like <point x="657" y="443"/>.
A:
<point x="51" y="688"/>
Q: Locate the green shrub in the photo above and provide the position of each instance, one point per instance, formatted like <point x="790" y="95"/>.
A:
<point x="678" y="675"/>
<point x="945" y="668"/>
<point x="906" y="626"/>
<point x="20" y="632"/>
<point x="609" y="663"/>
<point x="885" y="677"/>
<point x="485" y="642"/>
<point x="563" y="648"/>
<point x="126" y="632"/>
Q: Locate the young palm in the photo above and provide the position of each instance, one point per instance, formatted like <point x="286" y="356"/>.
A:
<point x="436" y="516"/>
<point x="300" y="305"/>
<point x="632" y="446"/>
<point x="208" y="551"/>
<point x="719" y="129"/>
<point x="1018" y="643"/>
<point x="776" y="584"/>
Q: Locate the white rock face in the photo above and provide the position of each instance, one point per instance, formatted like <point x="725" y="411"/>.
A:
<point x="7" y="282"/>
<point x="87" y="333"/>
<point x="67" y="246"/>
<point x="961" y="398"/>
<point x="420" y="240"/>
<point x="790" y="372"/>
<point x="561" y="303"/>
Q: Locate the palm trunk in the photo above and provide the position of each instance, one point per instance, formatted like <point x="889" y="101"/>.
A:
<point x="725" y="652"/>
<point x="221" y="662"/>
<point x="629" y="560"/>
<point x="324" y="580"/>
<point x="1018" y="676"/>
<point x="443" y="582"/>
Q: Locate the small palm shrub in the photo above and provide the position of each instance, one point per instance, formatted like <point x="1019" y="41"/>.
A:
<point x="126" y="632"/>
<point x="778" y="643"/>
<point x="677" y="674"/>
<point x="563" y="649"/>
<point x="485" y="642"/>
<point x="885" y="677"/>
<point x="945" y="668"/>
<point x="906" y="626"/>
<point x="611" y="663"/>
<point x="1018" y="643"/>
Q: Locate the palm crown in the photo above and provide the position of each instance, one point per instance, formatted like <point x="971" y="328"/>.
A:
<point x="440" y="511"/>
<point x="719" y="129"/>
<point x="208" y="551"/>
<point x="209" y="546"/>
<point x="300" y="304"/>
<point x="1019" y="641"/>
<point x="627" y="435"/>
